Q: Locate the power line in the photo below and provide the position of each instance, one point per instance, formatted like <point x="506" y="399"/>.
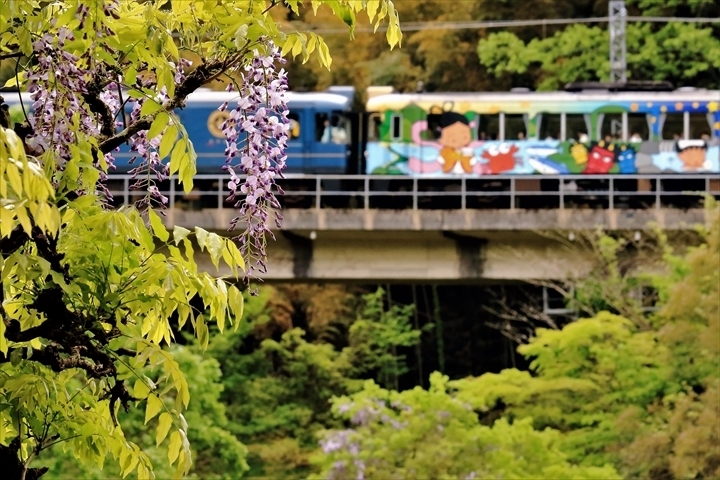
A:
<point x="420" y="26"/>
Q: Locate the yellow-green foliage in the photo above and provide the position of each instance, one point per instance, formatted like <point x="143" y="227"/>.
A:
<point x="645" y="399"/>
<point x="92" y="297"/>
<point x="431" y="434"/>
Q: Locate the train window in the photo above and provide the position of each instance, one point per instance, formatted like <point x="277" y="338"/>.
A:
<point x="673" y="126"/>
<point x="322" y="121"/>
<point x="294" y="132"/>
<point x="699" y="126"/>
<point x="488" y="127"/>
<point x="549" y="128"/>
<point x="515" y="126"/>
<point x="340" y="124"/>
<point x="396" y="127"/>
<point x="577" y="126"/>
<point x="610" y="126"/>
<point x="374" y="123"/>
<point x="637" y="127"/>
<point x="331" y="128"/>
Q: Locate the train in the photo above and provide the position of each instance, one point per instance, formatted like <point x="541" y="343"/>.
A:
<point x="588" y="130"/>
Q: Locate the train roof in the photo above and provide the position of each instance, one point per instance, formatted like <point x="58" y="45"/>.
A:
<point x="466" y="101"/>
<point x="295" y="99"/>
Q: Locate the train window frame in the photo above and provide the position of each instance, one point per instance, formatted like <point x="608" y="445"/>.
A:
<point x="374" y="127"/>
<point x="479" y="119"/>
<point x="587" y="124"/>
<point x="327" y="135"/>
<point x="600" y="124"/>
<point x="629" y="133"/>
<point x="540" y="119"/>
<point x="341" y="122"/>
<point x="663" y="123"/>
<point x="319" y="133"/>
<point x="525" y="119"/>
<point x="396" y="126"/>
<point x="294" y="117"/>
<point x="706" y="126"/>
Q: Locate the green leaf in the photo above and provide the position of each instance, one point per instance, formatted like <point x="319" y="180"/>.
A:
<point x="236" y="304"/>
<point x="158" y="125"/>
<point x="168" y="140"/>
<point x="202" y="237"/>
<point x="154" y="405"/>
<point x="178" y="153"/>
<point x="215" y="246"/>
<point x="174" y="446"/>
<point x="150" y="106"/>
<point x="140" y="390"/>
<point x="158" y="228"/>
<point x="164" y="424"/>
<point x="179" y="233"/>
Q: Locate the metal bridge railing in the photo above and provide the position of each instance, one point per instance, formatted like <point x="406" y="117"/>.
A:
<point x="395" y="192"/>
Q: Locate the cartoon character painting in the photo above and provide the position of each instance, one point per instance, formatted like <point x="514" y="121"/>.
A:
<point x="453" y="143"/>
<point x="501" y="158"/>
<point x="692" y="153"/>
<point x="626" y="159"/>
<point x="579" y="153"/>
<point x="455" y="136"/>
<point x="600" y="159"/>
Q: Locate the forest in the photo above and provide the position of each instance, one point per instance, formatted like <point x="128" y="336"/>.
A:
<point x="393" y="381"/>
<point x="120" y="357"/>
<point x="542" y="57"/>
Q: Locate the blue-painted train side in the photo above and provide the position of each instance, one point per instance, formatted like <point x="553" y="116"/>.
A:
<point x="319" y="137"/>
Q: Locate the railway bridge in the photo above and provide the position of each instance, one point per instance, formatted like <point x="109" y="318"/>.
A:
<point x="486" y="229"/>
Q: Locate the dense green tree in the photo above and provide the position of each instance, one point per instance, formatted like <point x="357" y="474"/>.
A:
<point x="682" y="53"/>
<point x="89" y="295"/>
<point x="641" y="394"/>
<point x="432" y="434"/>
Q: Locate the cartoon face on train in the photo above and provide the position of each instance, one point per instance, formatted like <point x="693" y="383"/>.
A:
<point x="600" y="159"/>
<point x="626" y="159"/>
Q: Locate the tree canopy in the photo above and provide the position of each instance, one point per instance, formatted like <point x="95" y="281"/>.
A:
<point x="534" y="56"/>
<point x="90" y="295"/>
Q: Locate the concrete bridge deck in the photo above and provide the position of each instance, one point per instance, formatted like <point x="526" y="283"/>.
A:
<point x="487" y="229"/>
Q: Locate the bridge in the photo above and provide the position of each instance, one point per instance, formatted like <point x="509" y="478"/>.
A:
<point x="472" y="230"/>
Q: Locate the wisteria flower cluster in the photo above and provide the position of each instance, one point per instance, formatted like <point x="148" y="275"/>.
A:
<point x="56" y="84"/>
<point x="347" y="442"/>
<point x="59" y="84"/>
<point x="150" y="168"/>
<point x="256" y="134"/>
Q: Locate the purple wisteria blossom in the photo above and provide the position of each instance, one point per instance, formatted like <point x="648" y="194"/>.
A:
<point x="150" y="168"/>
<point x="256" y="137"/>
<point x="343" y="441"/>
<point x="59" y="84"/>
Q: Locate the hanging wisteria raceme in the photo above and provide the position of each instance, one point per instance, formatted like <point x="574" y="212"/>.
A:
<point x="150" y="168"/>
<point x="60" y="85"/>
<point x="256" y="136"/>
<point x="56" y="84"/>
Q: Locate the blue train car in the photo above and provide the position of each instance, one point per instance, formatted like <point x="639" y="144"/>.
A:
<point x="319" y="141"/>
<point x="321" y="136"/>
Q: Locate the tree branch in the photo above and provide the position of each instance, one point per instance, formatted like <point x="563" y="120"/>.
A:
<point x="11" y="55"/>
<point x="196" y="79"/>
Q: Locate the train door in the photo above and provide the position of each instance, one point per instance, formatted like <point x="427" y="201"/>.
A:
<point x="330" y="147"/>
<point x="299" y="141"/>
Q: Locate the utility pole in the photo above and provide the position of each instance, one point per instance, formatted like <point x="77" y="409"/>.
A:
<point x="618" y="64"/>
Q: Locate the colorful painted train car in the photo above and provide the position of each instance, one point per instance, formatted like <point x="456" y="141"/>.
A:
<point x="587" y="132"/>
<point x="449" y="134"/>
